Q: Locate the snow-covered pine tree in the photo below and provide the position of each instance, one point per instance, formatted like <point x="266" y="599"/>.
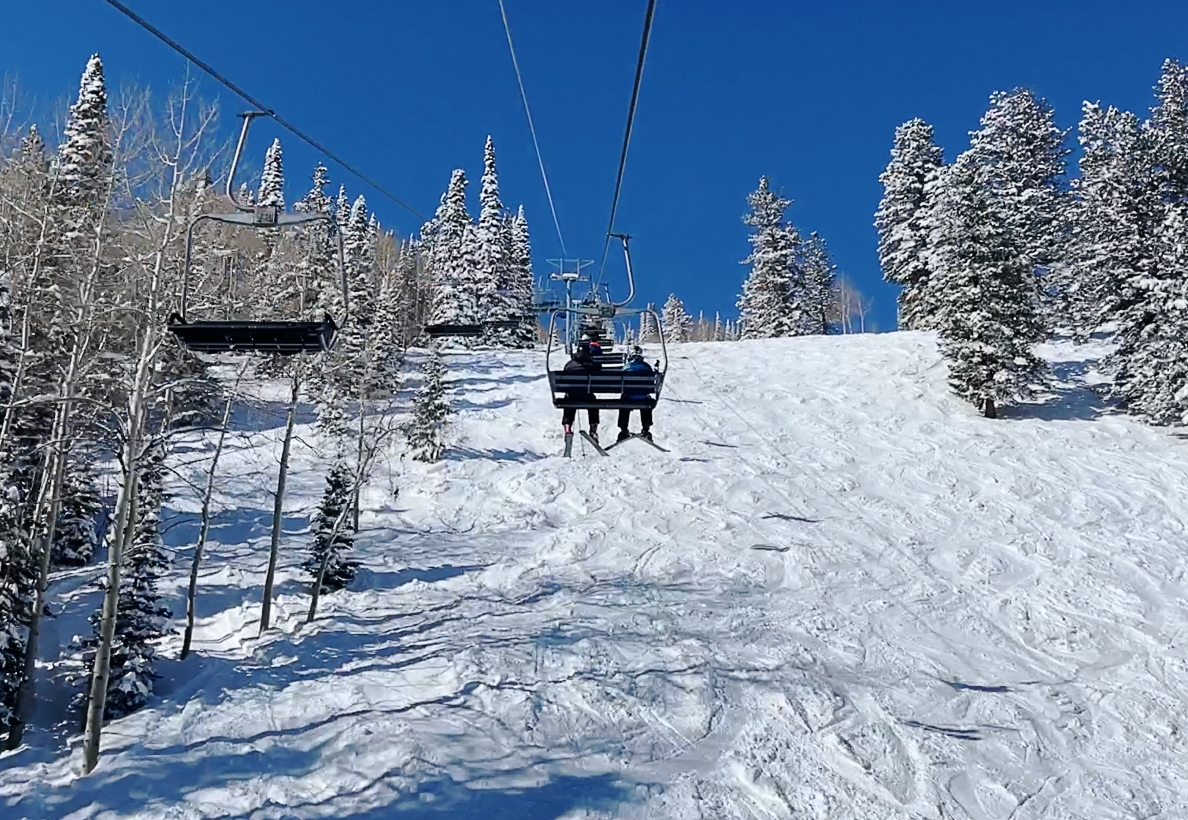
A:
<point x="452" y="258"/>
<point x="334" y="530"/>
<point x="342" y="209"/>
<point x="316" y="200"/>
<point x="769" y="305"/>
<point x="903" y="246"/>
<point x="1152" y="358"/>
<point x="1169" y="131"/>
<point x="431" y="407"/>
<point x="62" y="287"/>
<point x="719" y="329"/>
<point x="75" y="536"/>
<point x="674" y="320"/>
<point x="820" y="275"/>
<point x="1114" y="216"/>
<point x="985" y="308"/>
<point x="272" y="178"/>
<point x="385" y="335"/>
<point x="494" y="275"/>
<point x="140" y="617"/>
<point x="648" y="332"/>
<point x="359" y="249"/>
<point x="1149" y="362"/>
<point x="18" y="573"/>
<point x="522" y="283"/>
<point x="317" y="265"/>
<point x="86" y="156"/>
<point x="1022" y="153"/>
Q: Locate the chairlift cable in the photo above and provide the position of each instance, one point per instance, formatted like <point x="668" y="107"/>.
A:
<point x="643" y="52"/>
<point x="160" y="35"/>
<point x="531" y="127"/>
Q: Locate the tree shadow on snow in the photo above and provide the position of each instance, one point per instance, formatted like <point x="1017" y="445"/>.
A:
<point x="463" y="404"/>
<point x="467" y="453"/>
<point x="559" y="797"/>
<point x="1072" y="398"/>
<point x="367" y="579"/>
<point x="258" y="416"/>
<point x="511" y="379"/>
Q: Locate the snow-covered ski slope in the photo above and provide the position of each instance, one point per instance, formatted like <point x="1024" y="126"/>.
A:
<point x="843" y="594"/>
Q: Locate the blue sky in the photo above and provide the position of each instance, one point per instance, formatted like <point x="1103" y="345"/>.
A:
<point x="808" y="94"/>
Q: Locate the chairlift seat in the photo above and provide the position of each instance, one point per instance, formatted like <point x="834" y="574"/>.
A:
<point x="606" y="382"/>
<point x="475" y="329"/>
<point x="284" y="338"/>
<point x="611" y="359"/>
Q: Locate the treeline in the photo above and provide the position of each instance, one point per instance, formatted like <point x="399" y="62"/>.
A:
<point x="998" y="249"/>
<point x="92" y="250"/>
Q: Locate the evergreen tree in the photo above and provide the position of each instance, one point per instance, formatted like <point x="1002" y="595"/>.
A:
<point x="648" y="332"/>
<point x="1114" y="217"/>
<point x="1022" y="154"/>
<point x="452" y="257"/>
<point x="1152" y="356"/>
<point x="1148" y="363"/>
<point x="333" y="519"/>
<point x="316" y="200"/>
<point x="903" y="246"/>
<point x="317" y="265"/>
<point x="17" y="567"/>
<point x="342" y="209"/>
<point x="1169" y="131"/>
<point x="719" y="328"/>
<point x="75" y="536"/>
<point x="769" y="304"/>
<point x="820" y="276"/>
<point x="359" y="249"/>
<point x="520" y="256"/>
<point x="84" y="160"/>
<point x="494" y="285"/>
<point x="675" y="321"/>
<point x="140" y="618"/>
<point x="272" y="178"/>
<point x="985" y="312"/>
<point x="426" y="430"/>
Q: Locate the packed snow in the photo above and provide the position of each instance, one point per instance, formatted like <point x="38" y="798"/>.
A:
<point x="841" y="594"/>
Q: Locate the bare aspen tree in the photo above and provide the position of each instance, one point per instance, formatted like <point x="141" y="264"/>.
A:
<point x="278" y="506"/>
<point x="174" y="157"/>
<point x="204" y="528"/>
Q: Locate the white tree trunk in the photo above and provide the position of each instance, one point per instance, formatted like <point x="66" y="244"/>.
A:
<point x="126" y="514"/>
<point x="279" y="505"/>
<point x="205" y="527"/>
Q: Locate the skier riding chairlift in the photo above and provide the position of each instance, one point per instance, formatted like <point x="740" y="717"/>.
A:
<point x="584" y="361"/>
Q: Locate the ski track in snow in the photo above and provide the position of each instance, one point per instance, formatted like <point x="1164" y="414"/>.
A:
<point x="841" y="595"/>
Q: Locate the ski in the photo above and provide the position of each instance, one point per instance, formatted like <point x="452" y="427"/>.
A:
<point x="638" y="436"/>
<point x="569" y="445"/>
<point x="649" y="441"/>
<point x="593" y="443"/>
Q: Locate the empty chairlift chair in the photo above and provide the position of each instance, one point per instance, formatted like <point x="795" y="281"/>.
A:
<point x="240" y="336"/>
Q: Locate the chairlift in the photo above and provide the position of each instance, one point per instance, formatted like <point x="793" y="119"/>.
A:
<point x="471" y="329"/>
<point x="282" y="337"/>
<point x="604" y="390"/>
